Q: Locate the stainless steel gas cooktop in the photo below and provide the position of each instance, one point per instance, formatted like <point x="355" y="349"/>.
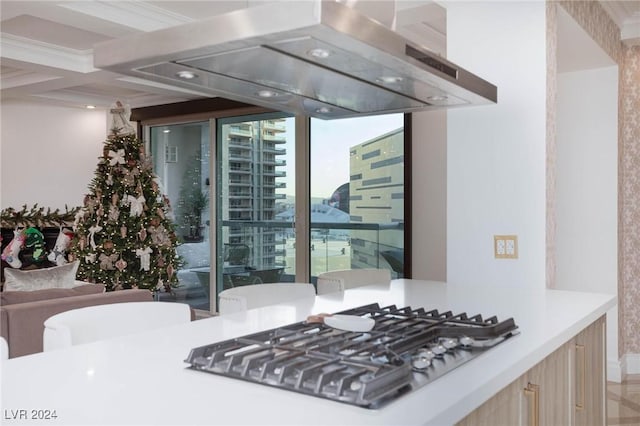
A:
<point x="406" y="349"/>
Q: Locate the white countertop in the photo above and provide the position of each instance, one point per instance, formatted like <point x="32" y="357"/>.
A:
<point x="142" y="379"/>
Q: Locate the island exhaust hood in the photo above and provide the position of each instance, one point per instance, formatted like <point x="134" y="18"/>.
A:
<point x="318" y="58"/>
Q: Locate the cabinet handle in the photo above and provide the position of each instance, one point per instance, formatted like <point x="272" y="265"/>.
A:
<point x="533" y="393"/>
<point x="581" y="362"/>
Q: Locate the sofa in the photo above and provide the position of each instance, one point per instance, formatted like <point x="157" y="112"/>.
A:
<point x="22" y="313"/>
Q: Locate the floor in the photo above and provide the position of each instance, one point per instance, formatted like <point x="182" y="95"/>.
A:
<point x="623" y="401"/>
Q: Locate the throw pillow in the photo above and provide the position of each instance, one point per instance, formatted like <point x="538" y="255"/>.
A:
<point x="57" y="277"/>
<point x="14" y="297"/>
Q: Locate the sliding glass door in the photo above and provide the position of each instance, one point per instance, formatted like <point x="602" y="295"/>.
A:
<point x="181" y="160"/>
<point x="272" y="198"/>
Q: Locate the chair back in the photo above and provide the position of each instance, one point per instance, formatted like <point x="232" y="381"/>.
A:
<point x="241" y="298"/>
<point x="336" y="281"/>
<point x="4" y="349"/>
<point x="93" y="323"/>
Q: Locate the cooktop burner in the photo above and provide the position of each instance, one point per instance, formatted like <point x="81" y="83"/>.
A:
<point x="406" y="349"/>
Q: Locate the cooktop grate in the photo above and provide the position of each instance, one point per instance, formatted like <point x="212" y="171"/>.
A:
<point x="406" y="349"/>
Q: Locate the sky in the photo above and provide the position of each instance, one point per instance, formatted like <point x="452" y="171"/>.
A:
<point x="330" y="144"/>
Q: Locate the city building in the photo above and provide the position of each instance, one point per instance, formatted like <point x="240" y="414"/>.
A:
<point x="376" y="200"/>
<point x="251" y="165"/>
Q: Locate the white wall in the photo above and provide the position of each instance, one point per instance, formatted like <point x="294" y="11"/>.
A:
<point x="496" y="153"/>
<point x="587" y="187"/>
<point x="48" y="154"/>
<point x="429" y="192"/>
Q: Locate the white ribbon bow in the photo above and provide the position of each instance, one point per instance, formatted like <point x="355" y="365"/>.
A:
<point x="145" y="258"/>
<point x="116" y="157"/>
<point x="92" y="234"/>
<point x="136" y="205"/>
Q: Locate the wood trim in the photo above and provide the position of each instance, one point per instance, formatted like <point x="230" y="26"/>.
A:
<point x="196" y="109"/>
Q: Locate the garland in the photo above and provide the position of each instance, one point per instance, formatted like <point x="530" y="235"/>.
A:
<point x="37" y="217"/>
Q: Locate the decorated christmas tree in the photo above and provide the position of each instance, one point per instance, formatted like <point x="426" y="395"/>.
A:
<point x="124" y="237"/>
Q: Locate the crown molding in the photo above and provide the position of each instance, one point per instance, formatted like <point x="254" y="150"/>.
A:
<point x="48" y="55"/>
<point x="19" y="79"/>
<point x="626" y="15"/>
<point x="139" y="15"/>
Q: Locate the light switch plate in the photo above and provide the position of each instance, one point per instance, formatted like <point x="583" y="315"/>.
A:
<point x="505" y="246"/>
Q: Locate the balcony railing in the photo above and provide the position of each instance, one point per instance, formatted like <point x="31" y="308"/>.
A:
<point x="237" y="131"/>
<point x="333" y="245"/>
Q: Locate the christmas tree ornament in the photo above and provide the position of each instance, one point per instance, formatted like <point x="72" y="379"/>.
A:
<point x="161" y="261"/>
<point x="114" y="214"/>
<point x="90" y="258"/>
<point x="170" y="271"/>
<point x="123" y="231"/>
<point x="136" y="205"/>
<point x="145" y="258"/>
<point x="90" y="204"/>
<point x="116" y="157"/>
<point x="109" y="180"/>
<point x="115" y="199"/>
<point x="121" y="264"/>
<point x="128" y="179"/>
<point x="159" y="235"/>
<point x="142" y="234"/>
<point x="78" y="217"/>
<point x="106" y="261"/>
<point x="108" y="245"/>
<point x="11" y="252"/>
<point x="92" y="234"/>
<point x="120" y="124"/>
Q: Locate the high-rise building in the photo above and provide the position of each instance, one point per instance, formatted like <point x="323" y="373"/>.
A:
<point x="251" y="165"/>
<point x="376" y="199"/>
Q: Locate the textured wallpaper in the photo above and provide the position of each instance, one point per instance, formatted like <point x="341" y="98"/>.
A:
<point x="629" y="202"/>
<point x="597" y="23"/>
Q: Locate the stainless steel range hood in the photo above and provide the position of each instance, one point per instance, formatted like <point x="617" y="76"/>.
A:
<point x="317" y="58"/>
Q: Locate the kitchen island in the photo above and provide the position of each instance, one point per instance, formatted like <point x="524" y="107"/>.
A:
<point x="143" y="379"/>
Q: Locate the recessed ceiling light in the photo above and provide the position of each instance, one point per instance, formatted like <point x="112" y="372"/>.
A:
<point x="267" y="93"/>
<point x="323" y="110"/>
<point x="90" y="106"/>
<point x="319" y="53"/>
<point x="187" y="75"/>
<point x="166" y="131"/>
<point x="389" y="79"/>
<point x="437" y="98"/>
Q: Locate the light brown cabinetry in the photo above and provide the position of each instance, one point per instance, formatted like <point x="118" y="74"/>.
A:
<point x="566" y="388"/>
<point x="590" y="375"/>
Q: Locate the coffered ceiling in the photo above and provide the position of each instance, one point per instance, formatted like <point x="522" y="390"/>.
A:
<point x="46" y="46"/>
